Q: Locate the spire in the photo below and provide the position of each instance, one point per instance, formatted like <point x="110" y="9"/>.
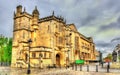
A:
<point x="53" y="13"/>
<point x="65" y="21"/>
<point x="35" y="7"/>
<point x="24" y="10"/>
<point x="35" y="11"/>
<point x="14" y="13"/>
<point x="60" y="16"/>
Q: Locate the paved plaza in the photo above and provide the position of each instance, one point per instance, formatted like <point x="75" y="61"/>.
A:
<point x="59" y="71"/>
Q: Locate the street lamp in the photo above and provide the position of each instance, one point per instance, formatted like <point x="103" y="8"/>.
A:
<point x="28" y="71"/>
<point x="100" y="57"/>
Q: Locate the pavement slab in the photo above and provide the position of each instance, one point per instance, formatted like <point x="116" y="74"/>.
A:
<point x="53" y="71"/>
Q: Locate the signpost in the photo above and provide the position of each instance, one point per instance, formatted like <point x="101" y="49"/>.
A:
<point x="79" y="62"/>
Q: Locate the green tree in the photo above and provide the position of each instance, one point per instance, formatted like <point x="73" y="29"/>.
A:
<point x="5" y="49"/>
<point x="109" y="57"/>
<point x="1" y="48"/>
<point x="119" y="58"/>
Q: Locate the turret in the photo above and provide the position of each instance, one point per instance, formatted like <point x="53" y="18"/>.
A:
<point x="19" y="10"/>
<point x="35" y="12"/>
<point x="35" y="27"/>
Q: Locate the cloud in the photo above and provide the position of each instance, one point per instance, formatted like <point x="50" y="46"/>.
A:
<point x="103" y="44"/>
<point x="115" y="39"/>
<point x="113" y="25"/>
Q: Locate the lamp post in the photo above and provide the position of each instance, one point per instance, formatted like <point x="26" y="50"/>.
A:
<point x="100" y="57"/>
<point x="28" y="70"/>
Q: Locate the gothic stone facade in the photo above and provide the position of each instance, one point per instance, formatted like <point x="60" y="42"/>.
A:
<point x="53" y="41"/>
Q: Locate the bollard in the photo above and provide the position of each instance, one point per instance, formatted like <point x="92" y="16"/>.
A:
<point x="80" y="67"/>
<point x="108" y="67"/>
<point x="72" y="66"/>
<point x="87" y="68"/>
<point x="49" y="66"/>
<point x="96" y="68"/>
<point x="75" y="67"/>
<point x="60" y="66"/>
<point x="102" y="64"/>
<point x="66" y="66"/>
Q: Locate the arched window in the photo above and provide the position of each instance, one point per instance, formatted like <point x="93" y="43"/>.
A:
<point x="33" y="55"/>
<point x="49" y="55"/>
<point x="44" y="54"/>
<point x="40" y="55"/>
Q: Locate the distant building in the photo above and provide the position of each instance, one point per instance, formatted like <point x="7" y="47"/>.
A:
<point x="53" y="41"/>
<point x="97" y="53"/>
<point x="116" y="53"/>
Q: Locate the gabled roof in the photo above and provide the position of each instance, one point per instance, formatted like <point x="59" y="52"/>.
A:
<point x="73" y="27"/>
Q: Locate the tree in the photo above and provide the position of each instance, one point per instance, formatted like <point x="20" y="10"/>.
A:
<point x="1" y="48"/>
<point x="5" y="49"/>
<point x="119" y="58"/>
<point x="108" y="57"/>
<point x="8" y="51"/>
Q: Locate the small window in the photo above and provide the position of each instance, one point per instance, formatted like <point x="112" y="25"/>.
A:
<point x="45" y="55"/>
<point x="41" y="55"/>
<point x="33" y="55"/>
<point x="49" y="55"/>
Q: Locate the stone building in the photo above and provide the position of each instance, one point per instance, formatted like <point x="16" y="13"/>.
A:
<point x="53" y="41"/>
<point x="116" y="53"/>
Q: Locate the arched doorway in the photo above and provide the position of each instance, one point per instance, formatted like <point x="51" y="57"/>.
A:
<point x="57" y="60"/>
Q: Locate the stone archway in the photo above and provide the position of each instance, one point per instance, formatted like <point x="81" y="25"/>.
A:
<point x="58" y="60"/>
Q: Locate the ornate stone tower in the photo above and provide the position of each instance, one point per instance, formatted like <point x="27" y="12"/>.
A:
<point x="21" y="33"/>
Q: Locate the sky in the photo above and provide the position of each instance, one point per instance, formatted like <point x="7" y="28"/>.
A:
<point x="99" y="19"/>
